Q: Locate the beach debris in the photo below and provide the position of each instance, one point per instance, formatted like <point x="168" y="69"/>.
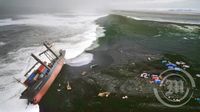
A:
<point x="198" y="75"/>
<point x="178" y="66"/>
<point x="149" y="58"/>
<point x="155" y="79"/>
<point x="186" y="66"/>
<point x="59" y="84"/>
<point x="171" y="65"/>
<point x="83" y="73"/>
<point x="158" y="81"/>
<point x="177" y="100"/>
<point x="68" y="86"/>
<point x="151" y="82"/>
<point x="178" y="63"/>
<point x="197" y="99"/>
<point x="158" y="35"/>
<point x="164" y="61"/>
<point x="125" y="97"/>
<point x="104" y="94"/>
<point x="144" y="75"/>
<point x="58" y="90"/>
<point x="133" y="63"/>
<point x="177" y="69"/>
<point x="93" y="66"/>
<point x="182" y="63"/>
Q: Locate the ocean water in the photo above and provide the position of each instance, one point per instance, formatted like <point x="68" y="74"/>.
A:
<point x="24" y="35"/>
<point x="78" y="33"/>
<point x="157" y="36"/>
<point x="163" y="16"/>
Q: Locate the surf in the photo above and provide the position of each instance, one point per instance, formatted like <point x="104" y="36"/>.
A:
<point x="75" y="35"/>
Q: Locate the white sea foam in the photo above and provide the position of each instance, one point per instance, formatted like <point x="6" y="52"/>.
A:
<point x="2" y="43"/>
<point x="164" y="20"/>
<point x="84" y="33"/>
<point x="11" y="90"/>
<point x="186" y="28"/>
<point x="77" y="44"/>
<point x="83" y="59"/>
<point x="136" y="18"/>
<point x="191" y="38"/>
<point x="5" y="21"/>
<point x="86" y="40"/>
<point x="38" y="20"/>
<point x="84" y="27"/>
<point x="192" y="28"/>
<point x="48" y="20"/>
<point x="186" y="38"/>
<point x="16" y="105"/>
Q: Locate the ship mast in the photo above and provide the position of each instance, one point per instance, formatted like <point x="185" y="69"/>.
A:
<point x="38" y="60"/>
<point x="45" y="44"/>
<point x="31" y="68"/>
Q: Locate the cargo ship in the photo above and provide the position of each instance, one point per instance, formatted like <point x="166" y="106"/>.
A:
<point x="42" y="74"/>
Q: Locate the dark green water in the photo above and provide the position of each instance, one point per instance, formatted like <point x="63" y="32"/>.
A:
<point x="126" y="41"/>
<point x="163" y="37"/>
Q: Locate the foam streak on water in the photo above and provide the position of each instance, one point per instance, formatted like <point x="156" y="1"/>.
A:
<point x="165" y="20"/>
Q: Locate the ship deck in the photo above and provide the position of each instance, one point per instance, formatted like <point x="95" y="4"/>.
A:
<point x="32" y="91"/>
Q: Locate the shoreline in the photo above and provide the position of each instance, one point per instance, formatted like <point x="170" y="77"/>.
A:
<point x="119" y="60"/>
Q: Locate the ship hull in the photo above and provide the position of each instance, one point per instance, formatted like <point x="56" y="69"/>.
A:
<point x="47" y="85"/>
<point x="35" y="93"/>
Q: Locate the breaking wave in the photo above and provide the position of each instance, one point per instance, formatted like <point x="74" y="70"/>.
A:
<point x="79" y="33"/>
<point x="10" y="89"/>
<point x="164" y="20"/>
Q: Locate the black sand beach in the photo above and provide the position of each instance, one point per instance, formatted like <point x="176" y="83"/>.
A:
<point x="129" y="48"/>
